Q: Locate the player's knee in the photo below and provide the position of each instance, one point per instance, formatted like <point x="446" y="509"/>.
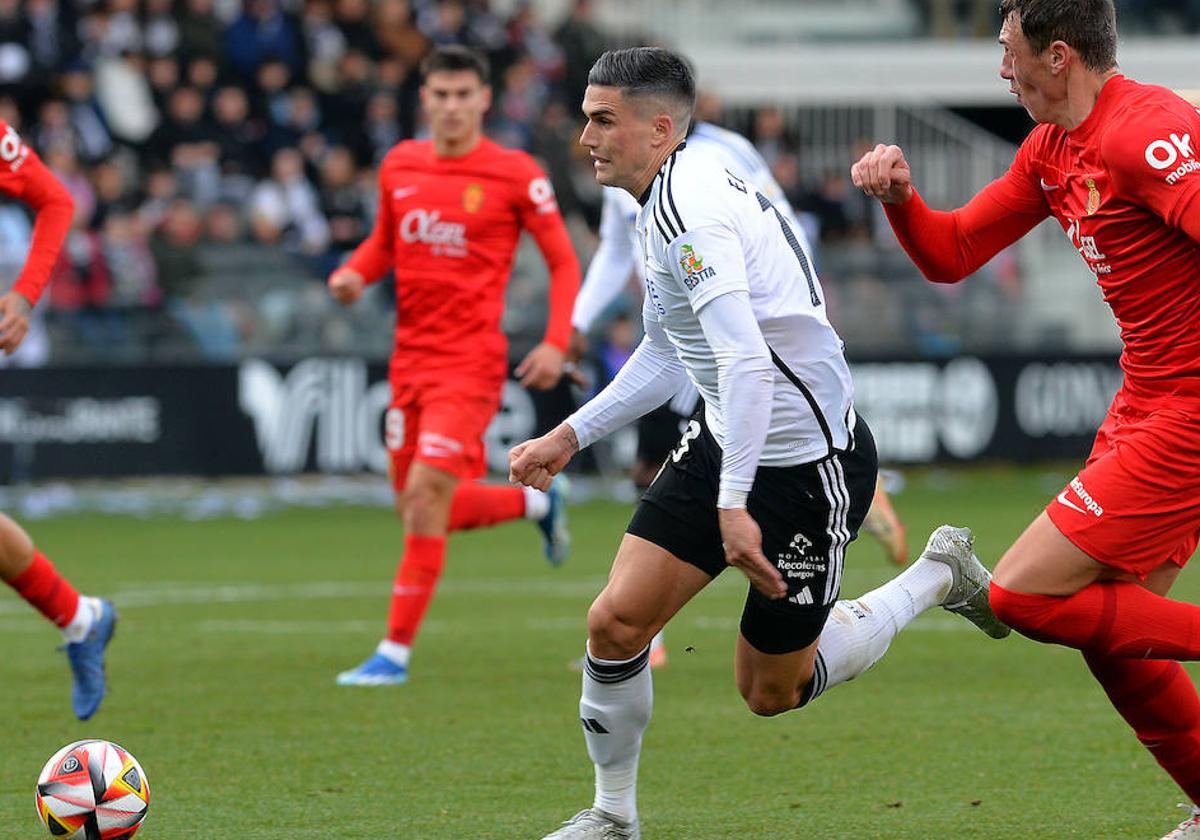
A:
<point x="614" y="634"/>
<point x="768" y="703"/>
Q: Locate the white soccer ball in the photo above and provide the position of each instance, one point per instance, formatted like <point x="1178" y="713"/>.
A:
<point x="92" y="790"/>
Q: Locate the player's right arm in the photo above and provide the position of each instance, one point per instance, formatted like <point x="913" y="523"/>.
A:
<point x="24" y="177"/>
<point x="653" y="370"/>
<point x="372" y="259"/>
<point x="948" y="246"/>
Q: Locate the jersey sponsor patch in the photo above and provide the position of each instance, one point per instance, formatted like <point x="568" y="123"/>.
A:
<point x="12" y="150"/>
<point x="694" y="269"/>
<point x="542" y="195"/>
<point x="1175" y="157"/>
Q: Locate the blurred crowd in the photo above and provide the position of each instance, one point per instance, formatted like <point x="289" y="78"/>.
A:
<point x="221" y="154"/>
<point x="198" y="136"/>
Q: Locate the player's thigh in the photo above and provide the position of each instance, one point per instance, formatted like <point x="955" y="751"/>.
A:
<point x="453" y="423"/>
<point x="646" y="587"/>
<point x="1133" y="508"/>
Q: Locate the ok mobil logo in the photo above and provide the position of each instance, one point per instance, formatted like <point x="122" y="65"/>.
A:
<point x="1090" y="505"/>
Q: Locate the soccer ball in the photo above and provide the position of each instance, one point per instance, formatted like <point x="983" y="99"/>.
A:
<point x="92" y="790"/>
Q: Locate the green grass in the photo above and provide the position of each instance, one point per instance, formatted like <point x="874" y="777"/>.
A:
<point x="222" y="686"/>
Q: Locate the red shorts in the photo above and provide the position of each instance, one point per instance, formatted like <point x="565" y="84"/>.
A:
<point x="439" y="424"/>
<point x="1136" y="503"/>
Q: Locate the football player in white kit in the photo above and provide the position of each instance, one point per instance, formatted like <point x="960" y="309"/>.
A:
<point x="773" y="476"/>
<point x="618" y="255"/>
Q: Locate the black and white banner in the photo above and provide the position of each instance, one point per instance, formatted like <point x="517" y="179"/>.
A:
<point x="327" y="415"/>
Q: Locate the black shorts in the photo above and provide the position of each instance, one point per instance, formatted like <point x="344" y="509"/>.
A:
<point x="657" y="434"/>
<point x="808" y="514"/>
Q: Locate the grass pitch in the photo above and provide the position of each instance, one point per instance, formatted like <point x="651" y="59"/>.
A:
<point x="232" y="631"/>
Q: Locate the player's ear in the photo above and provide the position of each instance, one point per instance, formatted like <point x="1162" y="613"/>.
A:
<point x="1060" y="55"/>
<point x="487" y="98"/>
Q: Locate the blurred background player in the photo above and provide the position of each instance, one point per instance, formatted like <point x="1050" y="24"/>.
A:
<point x="451" y="210"/>
<point x="87" y="623"/>
<point x="1114" y="162"/>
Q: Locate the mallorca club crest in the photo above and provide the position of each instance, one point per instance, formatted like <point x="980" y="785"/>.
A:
<point x="693" y="267"/>
<point x="472" y="198"/>
<point x="1093" y="201"/>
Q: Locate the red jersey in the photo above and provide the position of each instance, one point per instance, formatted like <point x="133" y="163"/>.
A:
<point x="1125" y="187"/>
<point x="449" y="227"/>
<point x="23" y="176"/>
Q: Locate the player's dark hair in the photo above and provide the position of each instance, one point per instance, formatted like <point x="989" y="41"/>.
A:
<point x="1088" y="26"/>
<point x="648" y="72"/>
<point x="453" y="58"/>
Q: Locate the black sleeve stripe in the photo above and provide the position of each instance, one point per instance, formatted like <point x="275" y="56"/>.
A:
<point x="661" y="216"/>
<point x="667" y="238"/>
<point x="671" y="198"/>
<point x="808" y="396"/>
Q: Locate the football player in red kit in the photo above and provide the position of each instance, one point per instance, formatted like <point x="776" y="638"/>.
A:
<point x="87" y="623"/>
<point x="451" y="211"/>
<point x="1117" y="164"/>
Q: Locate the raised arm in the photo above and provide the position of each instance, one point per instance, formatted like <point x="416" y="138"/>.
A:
<point x="948" y="246"/>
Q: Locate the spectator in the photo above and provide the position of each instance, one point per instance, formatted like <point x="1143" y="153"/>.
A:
<point x="284" y="209"/>
<point x="261" y="33"/>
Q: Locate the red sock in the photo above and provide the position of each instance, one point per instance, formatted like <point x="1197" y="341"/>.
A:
<point x="1110" y="618"/>
<point x="1158" y="699"/>
<point x="477" y="505"/>
<point x="416" y="580"/>
<point x="48" y="591"/>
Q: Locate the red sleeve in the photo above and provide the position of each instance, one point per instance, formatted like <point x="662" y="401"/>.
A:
<point x="540" y="216"/>
<point x="948" y="246"/>
<point x="1154" y="158"/>
<point x="23" y="176"/>
<point x="373" y="258"/>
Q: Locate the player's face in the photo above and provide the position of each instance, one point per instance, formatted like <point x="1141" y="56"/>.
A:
<point x="455" y="102"/>
<point x="619" y="137"/>
<point x="1028" y="73"/>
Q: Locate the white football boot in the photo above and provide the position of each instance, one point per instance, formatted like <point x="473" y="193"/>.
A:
<point x="594" y="824"/>
<point x="1189" y="829"/>
<point x="968" y="595"/>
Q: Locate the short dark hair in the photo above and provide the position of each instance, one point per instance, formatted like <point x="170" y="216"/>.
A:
<point x="453" y="58"/>
<point x="648" y="71"/>
<point x="1088" y="26"/>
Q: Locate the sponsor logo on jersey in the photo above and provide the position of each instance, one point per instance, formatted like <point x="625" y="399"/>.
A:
<point x="1175" y="156"/>
<point x="1048" y="187"/>
<point x="444" y="238"/>
<point x="403" y="192"/>
<point x="1090" y="505"/>
<point x="542" y="195"/>
<point x="1088" y="249"/>
<point x="472" y="198"/>
<point x="12" y="151"/>
<point x="1093" y="200"/>
<point x="693" y="267"/>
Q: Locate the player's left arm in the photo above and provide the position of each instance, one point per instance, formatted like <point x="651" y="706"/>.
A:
<point x="539" y="214"/>
<point x="708" y="263"/>
<point x="1155" y="160"/>
<point x="25" y="177"/>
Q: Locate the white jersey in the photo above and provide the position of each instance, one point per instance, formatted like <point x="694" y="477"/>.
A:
<point x="618" y="254"/>
<point x="707" y="233"/>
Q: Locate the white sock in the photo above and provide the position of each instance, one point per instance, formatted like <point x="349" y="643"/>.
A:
<point x="394" y="651"/>
<point x="86" y="613"/>
<point x="615" y="707"/>
<point x="537" y="503"/>
<point x="858" y="632"/>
